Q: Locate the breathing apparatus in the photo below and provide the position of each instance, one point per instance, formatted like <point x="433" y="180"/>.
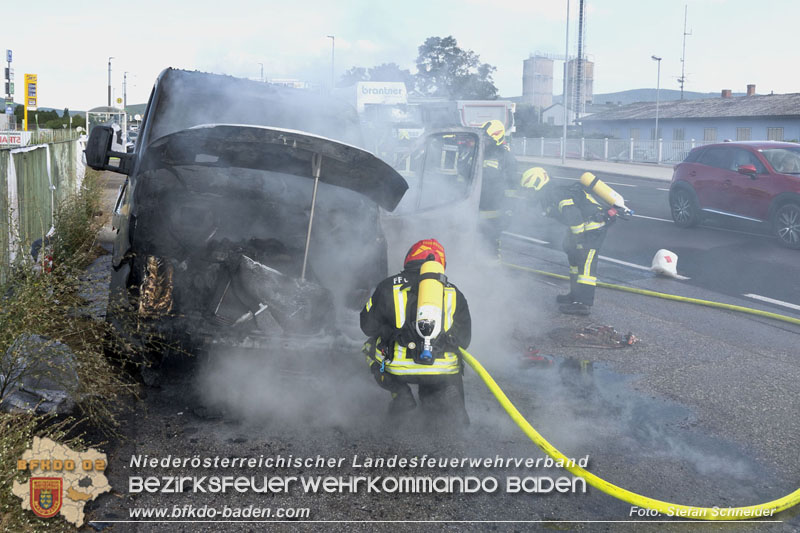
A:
<point x="596" y="186"/>
<point x="430" y="297"/>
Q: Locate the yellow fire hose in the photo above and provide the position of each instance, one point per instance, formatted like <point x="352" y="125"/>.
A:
<point x="670" y="509"/>
<point x="666" y="296"/>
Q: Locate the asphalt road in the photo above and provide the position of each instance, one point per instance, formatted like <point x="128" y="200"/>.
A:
<point x="701" y="411"/>
<point x="730" y="257"/>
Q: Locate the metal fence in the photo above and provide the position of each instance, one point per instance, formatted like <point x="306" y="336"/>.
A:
<point x="628" y="150"/>
<point x="44" y="136"/>
<point x="33" y="181"/>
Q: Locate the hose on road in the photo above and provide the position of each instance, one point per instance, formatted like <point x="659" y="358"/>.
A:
<point x="670" y="509"/>
<point x="666" y="508"/>
<point x="667" y="296"/>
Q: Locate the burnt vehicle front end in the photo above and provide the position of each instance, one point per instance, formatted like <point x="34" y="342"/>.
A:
<point x="246" y="235"/>
<point x="221" y="225"/>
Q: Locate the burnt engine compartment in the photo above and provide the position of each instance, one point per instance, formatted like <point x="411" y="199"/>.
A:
<point x="229" y="243"/>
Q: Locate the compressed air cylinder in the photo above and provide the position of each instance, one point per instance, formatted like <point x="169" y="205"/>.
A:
<point x="430" y="298"/>
<point x="596" y="186"/>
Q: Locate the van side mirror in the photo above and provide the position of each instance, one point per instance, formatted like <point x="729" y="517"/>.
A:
<point x="99" y="152"/>
<point x="748" y="170"/>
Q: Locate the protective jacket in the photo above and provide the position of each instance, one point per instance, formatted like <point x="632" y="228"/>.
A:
<point x="587" y="222"/>
<point x="499" y="177"/>
<point x="388" y="318"/>
<point x="499" y="181"/>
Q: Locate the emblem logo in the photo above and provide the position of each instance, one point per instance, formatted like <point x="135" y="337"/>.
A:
<point x="46" y="495"/>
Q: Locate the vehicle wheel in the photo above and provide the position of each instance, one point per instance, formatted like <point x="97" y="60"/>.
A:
<point x="786" y="225"/>
<point x="683" y="206"/>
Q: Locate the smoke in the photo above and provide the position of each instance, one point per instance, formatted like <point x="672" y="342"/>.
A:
<point x="192" y="98"/>
<point x="290" y="384"/>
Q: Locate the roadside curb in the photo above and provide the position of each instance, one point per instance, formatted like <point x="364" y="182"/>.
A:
<point x="641" y="171"/>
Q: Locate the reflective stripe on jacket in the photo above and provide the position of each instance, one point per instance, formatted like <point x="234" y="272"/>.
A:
<point x="400" y="363"/>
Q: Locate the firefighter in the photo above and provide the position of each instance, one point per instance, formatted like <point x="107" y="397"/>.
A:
<point x="395" y="348"/>
<point x="587" y="221"/>
<point x="499" y="181"/>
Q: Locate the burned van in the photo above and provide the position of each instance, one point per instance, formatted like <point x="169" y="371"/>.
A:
<point x="249" y="211"/>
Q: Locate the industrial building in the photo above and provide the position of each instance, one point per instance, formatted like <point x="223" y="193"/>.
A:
<point x="774" y="117"/>
<point x="537" y="81"/>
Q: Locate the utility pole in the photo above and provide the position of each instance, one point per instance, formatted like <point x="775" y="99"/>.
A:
<point x="682" y="79"/>
<point x="658" y="91"/>
<point x="579" y="66"/>
<point x="565" y="99"/>
<point x="333" y="48"/>
<point x="262" y="72"/>
<point x="124" y="91"/>
<point x="109" y="81"/>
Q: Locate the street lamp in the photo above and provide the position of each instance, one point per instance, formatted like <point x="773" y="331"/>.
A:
<point x="109" y="81"/>
<point x="565" y="99"/>
<point x="658" y="89"/>
<point x="262" y="72"/>
<point x="333" y="48"/>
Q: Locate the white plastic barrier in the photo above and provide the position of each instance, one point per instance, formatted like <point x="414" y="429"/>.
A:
<point x="665" y="263"/>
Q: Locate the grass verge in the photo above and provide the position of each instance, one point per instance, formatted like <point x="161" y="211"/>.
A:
<point x="46" y="300"/>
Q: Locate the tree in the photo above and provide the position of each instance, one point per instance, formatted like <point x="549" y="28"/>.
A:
<point x="353" y="76"/>
<point x="382" y="72"/>
<point x="392" y="72"/>
<point x="445" y="70"/>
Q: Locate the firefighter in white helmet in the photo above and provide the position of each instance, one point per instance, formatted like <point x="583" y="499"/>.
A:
<point x="499" y="181"/>
<point x="587" y="221"/>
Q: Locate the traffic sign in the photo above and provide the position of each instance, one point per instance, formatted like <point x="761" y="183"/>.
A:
<point x="8" y="56"/>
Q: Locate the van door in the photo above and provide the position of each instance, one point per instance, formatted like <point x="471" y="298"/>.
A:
<point x="444" y="178"/>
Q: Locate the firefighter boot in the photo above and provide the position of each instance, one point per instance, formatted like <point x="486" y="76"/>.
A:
<point x="574" y="308"/>
<point x="402" y="401"/>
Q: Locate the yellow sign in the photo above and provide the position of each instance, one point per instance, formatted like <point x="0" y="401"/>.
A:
<point x="30" y="91"/>
<point x="119" y="100"/>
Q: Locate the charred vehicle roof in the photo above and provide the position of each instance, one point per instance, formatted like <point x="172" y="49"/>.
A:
<point x="182" y="99"/>
<point x="249" y="212"/>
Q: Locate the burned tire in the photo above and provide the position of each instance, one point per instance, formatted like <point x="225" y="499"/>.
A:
<point x="684" y="208"/>
<point x="786" y="225"/>
<point x="126" y="345"/>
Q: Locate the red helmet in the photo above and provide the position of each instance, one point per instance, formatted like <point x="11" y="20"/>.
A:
<point x="425" y="250"/>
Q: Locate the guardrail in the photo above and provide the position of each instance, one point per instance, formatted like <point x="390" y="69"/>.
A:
<point x="627" y="150"/>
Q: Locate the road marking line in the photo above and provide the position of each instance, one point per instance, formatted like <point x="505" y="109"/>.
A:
<point x="717" y="228"/>
<point x="610" y="259"/>
<point x="660" y="189"/>
<point x="652" y="218"/>
<point x="776" y="302"/>
<point x="634" y="265"/>
<point x="606" y="182"/>
<point x="525" y="238"/>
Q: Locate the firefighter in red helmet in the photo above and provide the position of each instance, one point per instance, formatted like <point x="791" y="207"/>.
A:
<point x="395" y="350"/>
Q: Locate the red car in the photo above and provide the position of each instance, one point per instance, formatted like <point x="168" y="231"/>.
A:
<point x="752" y="180"/>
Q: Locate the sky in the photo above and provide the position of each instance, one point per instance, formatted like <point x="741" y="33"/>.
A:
<point x="67" y="44"/>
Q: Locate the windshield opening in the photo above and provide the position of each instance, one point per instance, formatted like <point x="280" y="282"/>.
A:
<point x="784" y="160"/>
